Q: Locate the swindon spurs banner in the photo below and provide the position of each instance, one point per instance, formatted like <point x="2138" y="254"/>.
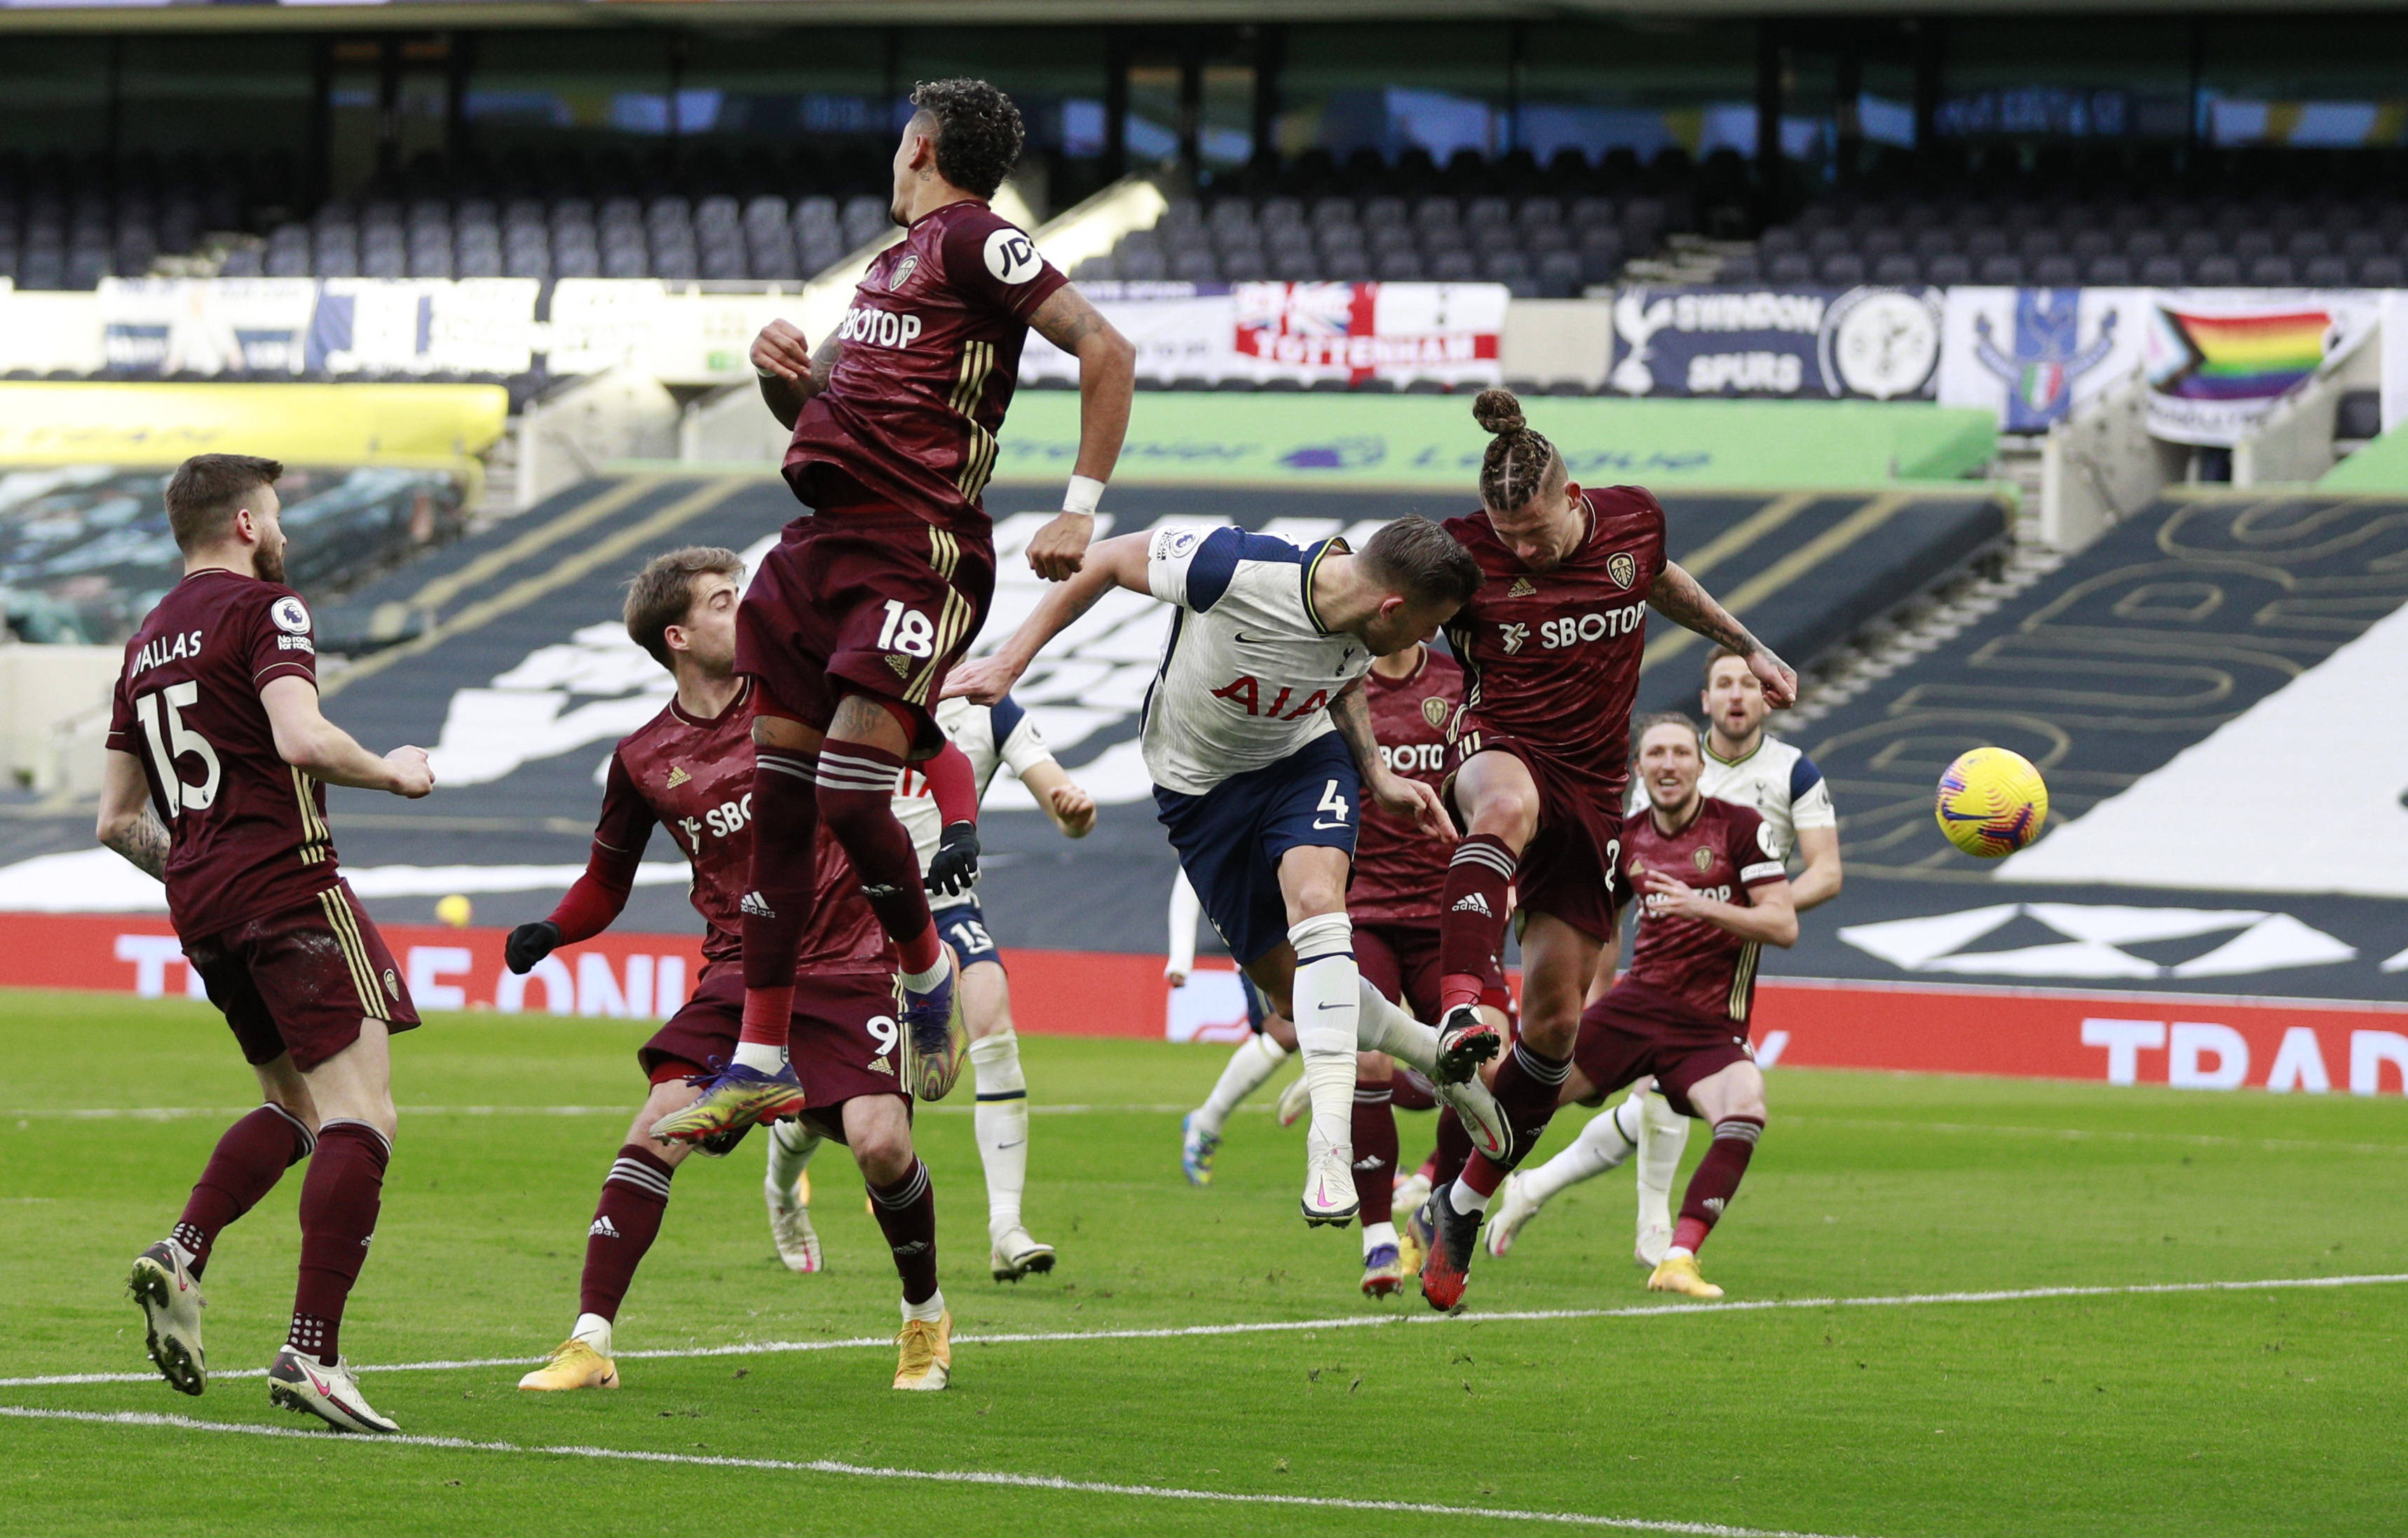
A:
<point x="1797" y="343"/>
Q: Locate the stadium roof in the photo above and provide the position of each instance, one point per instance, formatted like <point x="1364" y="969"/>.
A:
<point x="383" y="15"/>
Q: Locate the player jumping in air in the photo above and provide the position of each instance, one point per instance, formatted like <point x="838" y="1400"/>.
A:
<point x="1747" y="764"/>
<point x="1271" y="1042"/>
<point x="1259" y="739"/>
<point x="689" y="769"/>
<point x="1551" y="647"/>
<point x="988" y="738"/>
<point x="1712" y="895"/>
<point x="215" y="783"/>
<point x="853" y="619"/>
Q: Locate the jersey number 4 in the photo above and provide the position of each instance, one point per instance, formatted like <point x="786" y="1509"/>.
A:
<point x="906" y="630"/>
<point x="172" y="742"/>
<point x="1333" y="804"/>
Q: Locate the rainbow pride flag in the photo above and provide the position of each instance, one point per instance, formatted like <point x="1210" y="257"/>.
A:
<point x="2244" y="357"/>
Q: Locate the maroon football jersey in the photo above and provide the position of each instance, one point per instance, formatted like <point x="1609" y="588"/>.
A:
<point x="694" y="778"/>
<point x="246" y="830"/>
<point x="931" y="357"/>
<point x="1551" y="658"/>
<point x="1723" y="852"/>
<point x="1399" y="868"/>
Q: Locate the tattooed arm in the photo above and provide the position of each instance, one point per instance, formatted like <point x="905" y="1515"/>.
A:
<point x="1107" y="377"/>
<point x="790" y="372"/>
<point x="128" y="824"/>
<point x="1395" y="795"/>
<point x="1677" y="595"/>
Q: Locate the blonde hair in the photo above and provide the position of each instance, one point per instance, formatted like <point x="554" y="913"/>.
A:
<point x="1520" y="465"/>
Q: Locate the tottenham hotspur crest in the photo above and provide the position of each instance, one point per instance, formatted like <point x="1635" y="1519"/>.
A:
<point x="1622" y="568"/>
<point x="1434" y="712"/>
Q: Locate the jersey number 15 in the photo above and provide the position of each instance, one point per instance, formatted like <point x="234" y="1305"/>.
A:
<point x="171" y="742"/>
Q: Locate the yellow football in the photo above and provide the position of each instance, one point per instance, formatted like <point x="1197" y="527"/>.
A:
<point x="1991" y="803"/>
<point x="455" y="909"/>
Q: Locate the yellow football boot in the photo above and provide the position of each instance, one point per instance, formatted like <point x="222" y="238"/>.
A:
<point x="736" y="1098"/>
<point x="927" y="1359"/>
<point x="574" y="1364"/>
<point x="1679" y="1273"/>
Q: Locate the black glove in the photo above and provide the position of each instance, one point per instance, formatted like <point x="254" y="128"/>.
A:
<point x="530" y="944"/>
<point x="956" y="865"/>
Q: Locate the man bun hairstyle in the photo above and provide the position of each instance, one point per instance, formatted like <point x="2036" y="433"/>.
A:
<point x="207" y="489"/>
<point x="1520" y="464"/>
<point x="1423" y="562"/>
<point x="979" y="132"/>
<point x="662" y="593"/>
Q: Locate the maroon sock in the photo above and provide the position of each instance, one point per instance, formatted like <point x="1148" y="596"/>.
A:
<point x="856" y="791"/>
<point x="1716" y="1180"/>
<point x="784" y="875"/>
<point x="1527" y="1089"/>
<point x="1375" y="1151"/>
<point x="1453" y="1148"/>
<point x="245" y="1166"/>
<point x="1410" y="1091"/>
<point x="1471" y="918"/>
<point x="339" y="1216"/>
<point x="906" y="1213"/>
<point x="626" y="1220"/>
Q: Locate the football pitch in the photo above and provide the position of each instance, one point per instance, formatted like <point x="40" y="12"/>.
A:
<point x="1957" y="1307"/>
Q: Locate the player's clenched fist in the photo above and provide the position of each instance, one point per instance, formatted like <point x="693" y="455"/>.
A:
<point x="1061" y="546"/>
<point x="530" y="944"/>
<point x="782" y="351"/>
<point x="1074" y="809"/>
<point x="413" y="775"/>
<point x="982" y="682"/>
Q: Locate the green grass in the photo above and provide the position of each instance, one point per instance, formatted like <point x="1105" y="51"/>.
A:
<point x="2256" y="1412"/>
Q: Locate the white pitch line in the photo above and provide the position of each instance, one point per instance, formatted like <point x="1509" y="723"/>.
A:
<point x="185" y="1113"/>
<point x="1288" y="1326"/>
<point x="935" y="1476"/>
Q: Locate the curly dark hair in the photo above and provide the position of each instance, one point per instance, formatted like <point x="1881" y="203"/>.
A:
<point x="979" y="132"/>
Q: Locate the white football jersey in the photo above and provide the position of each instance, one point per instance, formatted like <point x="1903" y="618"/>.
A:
<point x="1249" y="670"/>
<point x="1780" y="781"/>
<point x="990" y="739"/>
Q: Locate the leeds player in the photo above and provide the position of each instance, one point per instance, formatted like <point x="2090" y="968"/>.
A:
<point x="1259" y="739"/>
<point x="987" y="739"/>
<point x="1747" y="764"/>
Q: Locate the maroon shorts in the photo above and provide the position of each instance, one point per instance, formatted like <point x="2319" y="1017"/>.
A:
<point x="871" y="600"/>
<point x="843" y="1038"/>
<point x="1636" y="1030"/>
<point x="1399" y="958"/>
<point x="1568" y="868"/>
<point x="301" y="980"/>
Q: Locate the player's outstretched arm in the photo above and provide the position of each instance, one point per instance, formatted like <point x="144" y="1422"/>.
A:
<point x="1394" y="794"/>
<point x="1107" y="381"/>
<point x="789" y="371"/>
<point x="1818" y="882"/>
<point x="316" y="746"/>
<point x="128" y="824"/>
<point x="1118" y="562"/>
<point x="1073" y="810"/>
<point x="1677" y="595"/>
<point x="1769" y="918"/>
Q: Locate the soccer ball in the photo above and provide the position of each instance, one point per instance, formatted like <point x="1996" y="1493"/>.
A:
<point x="455" y="909"/>
<point x="1991" y="803"/>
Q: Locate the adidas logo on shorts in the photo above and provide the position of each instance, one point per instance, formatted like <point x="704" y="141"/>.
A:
<point x="603" y="1226"/>
<point x="1474" y="903"/>
<point x="1372" y="1162"/>
<point x="902" y="665"/>
<point x="880" y="1065"/>
<point x="1714" y="1204"/>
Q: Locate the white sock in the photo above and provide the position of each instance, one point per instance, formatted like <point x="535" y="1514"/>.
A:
<point x="933" y="1310"/>
<point x="1464" y="1198"/>
<point x="1376" y="1234"/>
<point x="761" y="1056"/>
<point x="183" y="1252"/>
<point x="790" y="1147"/>
<point x="1663" y="1133"/>
<point x="1255" y="1059"/>
<point x="1381" y="1027"/>
<point x="1001" y="1120"/>
<point x="594" y="1331"/>
<point x="1603" y="1144"/>
<point x="922" y="982"/>
<point x="1327" y="994"/>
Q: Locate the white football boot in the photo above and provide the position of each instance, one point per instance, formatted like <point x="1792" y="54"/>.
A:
<point x="1328" y="1181"/>
<point x="171" y="1302"/>
<point x="1508" y="1213"/>
<point x="1294" y="1101"/>
<point x="1412" y="1192"/>
<point x="1475" y="1107"/>
<point x="1016" y="1255"/>
<point x="790" y="1225"/>
<point x="332" y="1394"/>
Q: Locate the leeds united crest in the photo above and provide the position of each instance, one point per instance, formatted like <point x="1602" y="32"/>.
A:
<point x="1622" y="568"/>
<point x="1434" y="711"/>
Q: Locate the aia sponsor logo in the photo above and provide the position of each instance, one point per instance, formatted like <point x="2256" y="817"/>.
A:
<point x="1246" y="692"/>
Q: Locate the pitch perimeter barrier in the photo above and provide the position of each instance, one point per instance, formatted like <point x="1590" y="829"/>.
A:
<point x="2188" y="1041"/>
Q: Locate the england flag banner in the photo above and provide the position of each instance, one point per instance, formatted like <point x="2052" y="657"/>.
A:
<point x="1448" y="332"/>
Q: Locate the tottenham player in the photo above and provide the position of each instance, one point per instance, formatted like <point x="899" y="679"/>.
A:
<point x="1745" y="764"/>
<point x="988" y="740"/>
<point x="1551" y="649"/>
<point x="214" y="782"/>
<point x="1713" y="895"/>
<point x="853" y="621"/>
<point x="1260" y="745"/>
<point x="689" y="769"/>
<point x="1251" y="1062"/>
